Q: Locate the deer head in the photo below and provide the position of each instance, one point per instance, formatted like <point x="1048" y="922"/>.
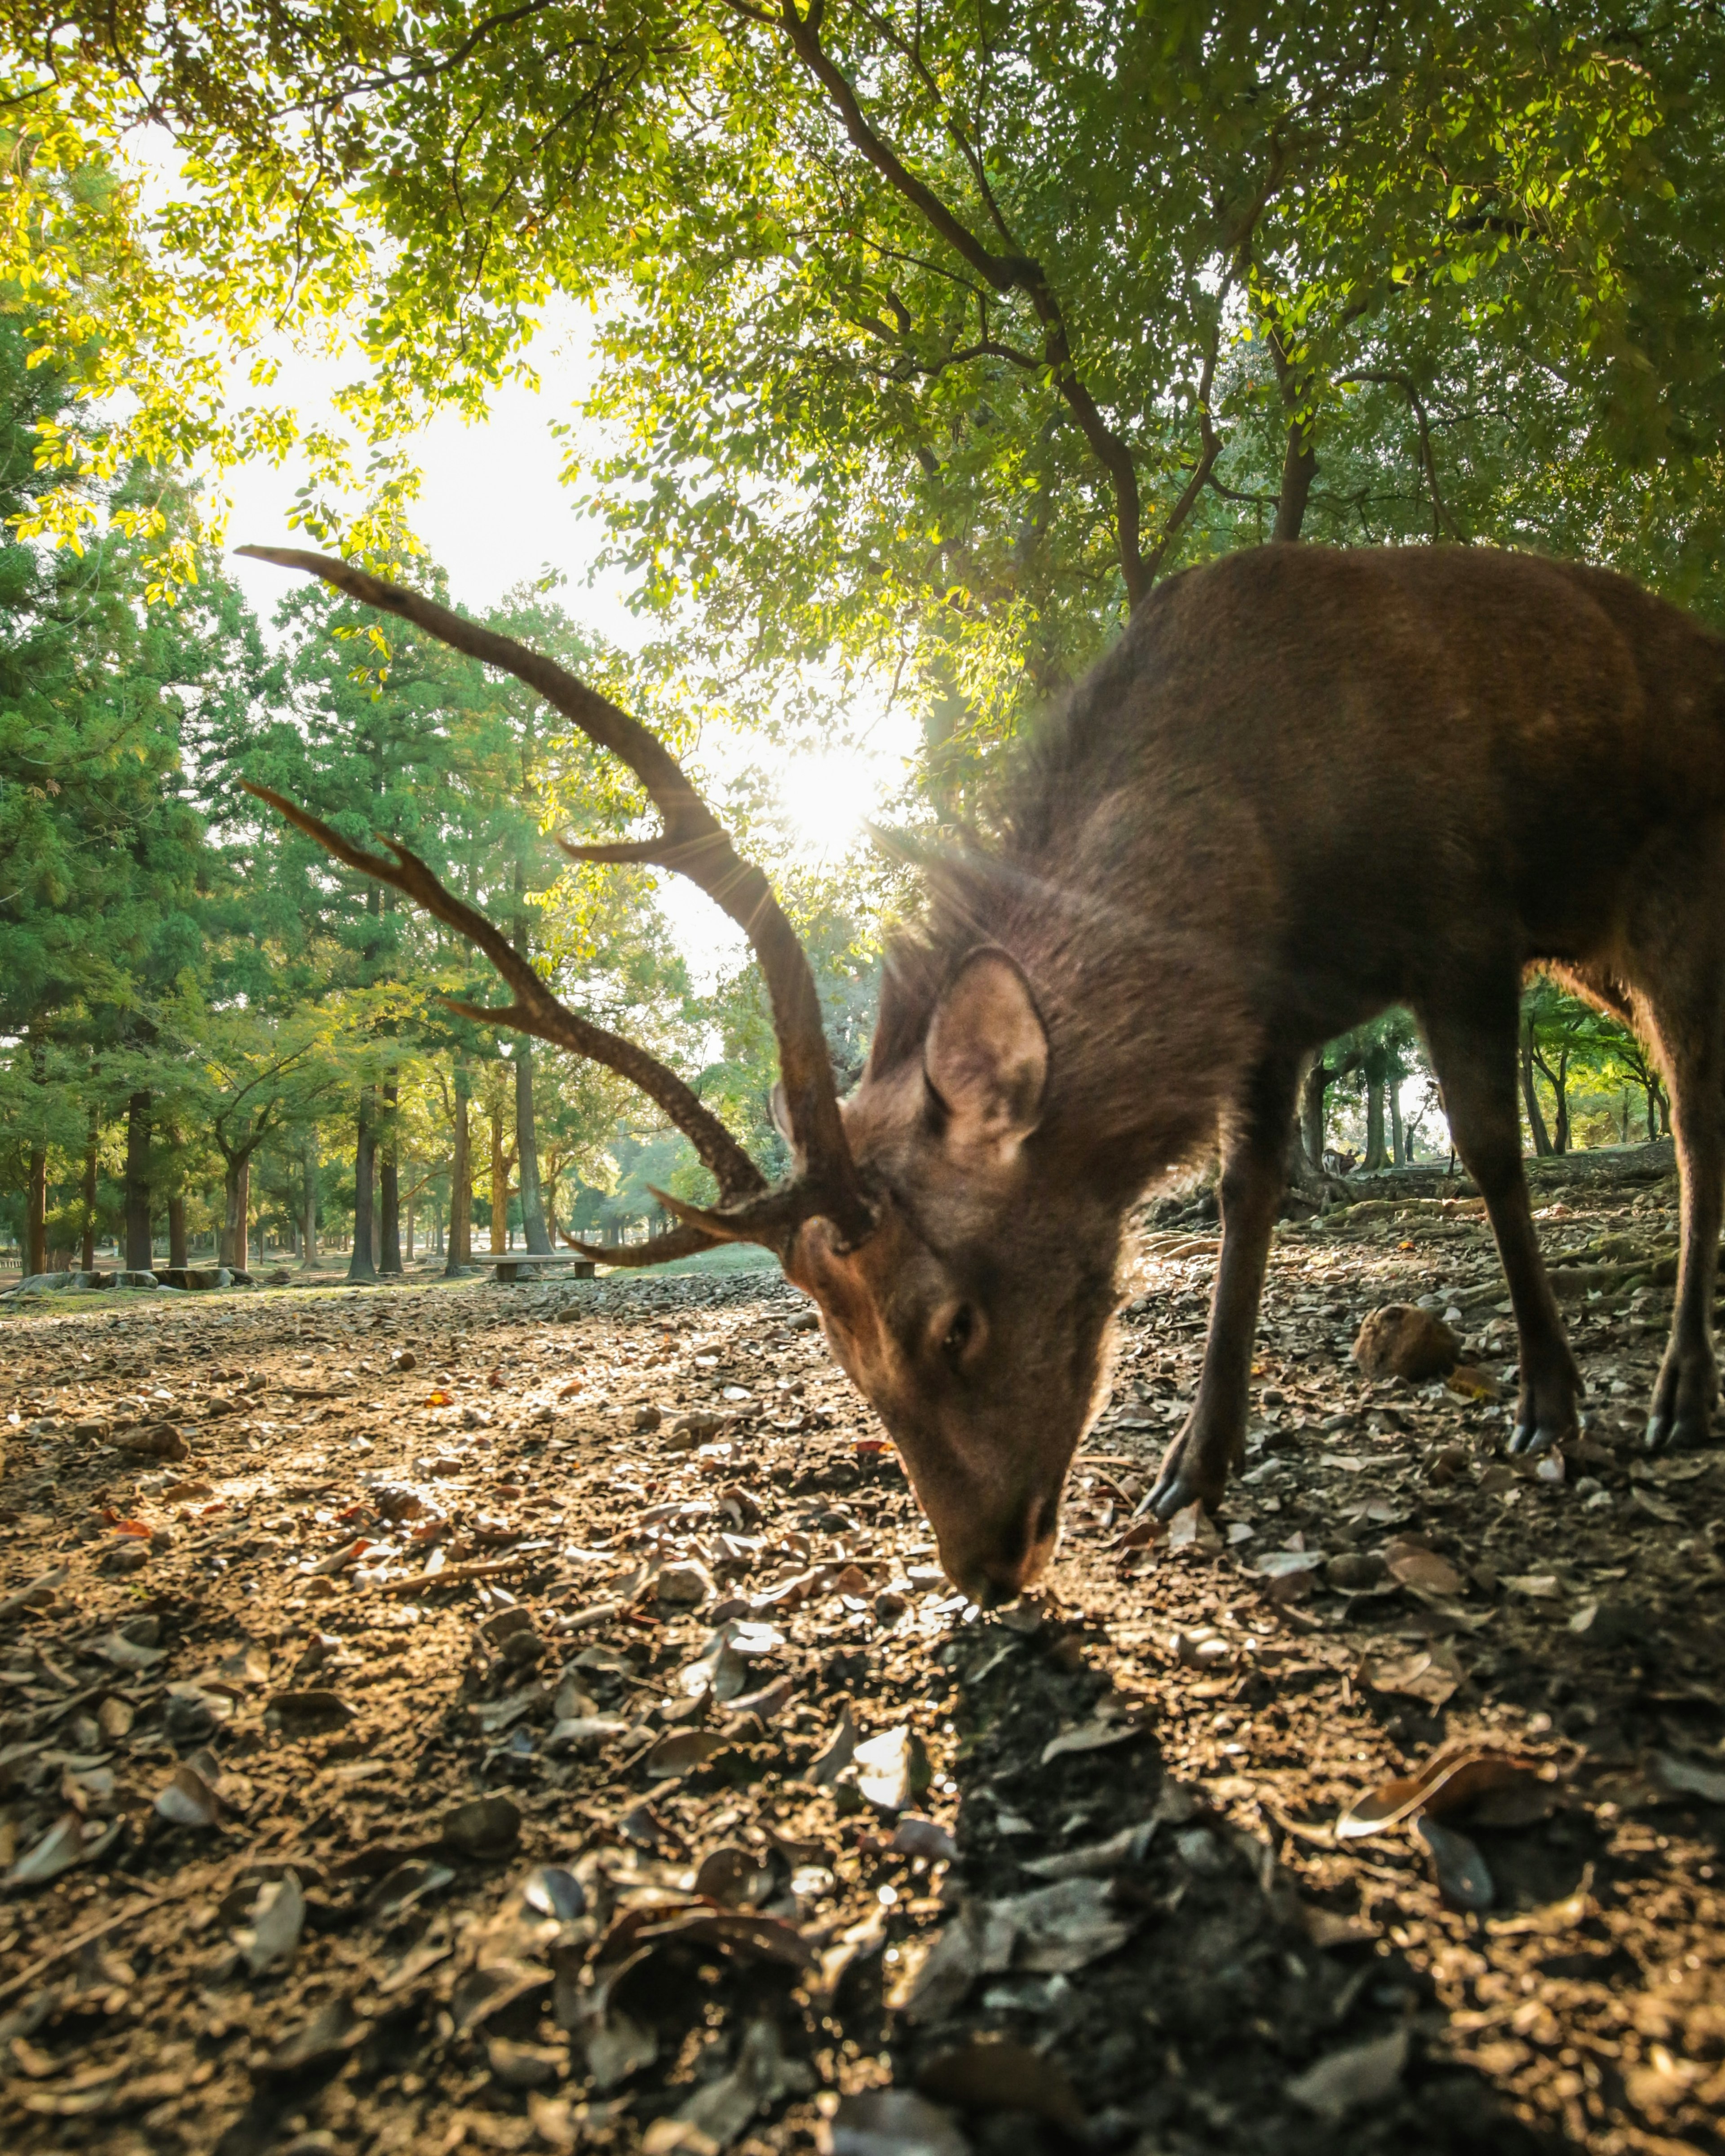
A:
<point x="955" y="1303"/>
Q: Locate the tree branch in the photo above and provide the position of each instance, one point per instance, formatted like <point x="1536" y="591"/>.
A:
<point x="1004" y="273"/>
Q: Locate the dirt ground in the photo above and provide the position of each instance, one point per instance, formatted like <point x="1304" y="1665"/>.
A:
<point x="437" y="1718"/>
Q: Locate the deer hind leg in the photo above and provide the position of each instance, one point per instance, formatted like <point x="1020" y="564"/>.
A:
<point x="1689" y="1032"/>
<point x="1254" y="1177"/>
<point x="1472" y="1047"/>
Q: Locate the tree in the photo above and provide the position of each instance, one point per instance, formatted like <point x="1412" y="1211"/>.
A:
<point x="934" y="338"/>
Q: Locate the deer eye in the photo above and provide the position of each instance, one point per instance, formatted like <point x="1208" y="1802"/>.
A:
<point x="960" y="1334"/>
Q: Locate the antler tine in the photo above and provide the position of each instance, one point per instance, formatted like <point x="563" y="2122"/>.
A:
<point x="535" y="1009"/>
<point x="694" y="843"/>
<point x="656" y="1250"/>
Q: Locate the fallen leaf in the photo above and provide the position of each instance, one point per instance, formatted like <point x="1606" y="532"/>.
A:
<point x="128" y="1654"/>
<point x="716" y="2113"/>
<point x="58" y="1850"/>
<point x="1448" y="1781"/>
<point x="1688" y="1777"/>
<point x="1065" y="1927"/>
<point x="1192" y="1529"/>
<point x="1463" y="1876"/>
<point x="1097" y="1859"/>
<point x="990" y="2073"/>
<point x="915" y="1837"/>
<point x="277" y="1917"/>
<point x="331" y="2033"/>
<point x="892" y="1769"/>
<point x="485" y="1827"/>
<point x="890" y="2122"/>
<point x="1353" y="2079"/>
<point x="840" y="1749"/>
<point x="186" y="1799"/>
<point x="1090" y="1737"/>
<point x="682" y="1750"/>
<point x="1431" y="1675"/>
<point x="1424" y="1570"/>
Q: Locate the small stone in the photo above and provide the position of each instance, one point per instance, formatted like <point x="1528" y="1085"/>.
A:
<point x="1403" y="1341"/>
<point x="646" y="1418"/>
<point x="160" y="1442"/>
<point x="686" y="1584"/>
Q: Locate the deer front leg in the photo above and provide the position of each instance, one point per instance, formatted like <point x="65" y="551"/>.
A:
<point x="1473" y="1053"/>
<point x="1254" y="1175"/>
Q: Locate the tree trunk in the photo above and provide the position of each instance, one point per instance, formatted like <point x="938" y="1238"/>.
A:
<point x="1398" y="1137"/>
<point x="499" y="1183"/>
<point x="534" y="1230"/>
<point x="1312" y="1114"/>
<point x="138" y="1253"/>
<point x="409" y="1251"/>
<point x="362" y="1266"/>
<point x="87" y="1254"/>
<point x="1374" y="1076"/>
<point x="177" y="1251"/>
<point x="236" y="1200"/>
<point x="1298" y="468"/>
<point x="460" y="1179"/>
<point x="308" y="1224"/>
<point x="389" y="1189"/>
<point x="36" y="1213"/>
<point x="1560" y="1089"/>
<point x="1530" y="1094"/>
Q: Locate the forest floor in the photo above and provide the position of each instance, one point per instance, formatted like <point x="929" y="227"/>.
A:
<point x="532" y="1718"/>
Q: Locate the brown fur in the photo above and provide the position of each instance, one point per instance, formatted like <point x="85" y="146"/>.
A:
<point x="1305" y="784"/>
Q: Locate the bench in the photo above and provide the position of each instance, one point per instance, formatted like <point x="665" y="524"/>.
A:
<point x="523" y="1265"/>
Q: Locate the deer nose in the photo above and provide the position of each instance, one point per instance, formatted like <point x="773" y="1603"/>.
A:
<point x="1018" y="1554"/>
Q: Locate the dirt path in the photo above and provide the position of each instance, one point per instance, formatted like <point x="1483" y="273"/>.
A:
<point x="510" y="1730"/>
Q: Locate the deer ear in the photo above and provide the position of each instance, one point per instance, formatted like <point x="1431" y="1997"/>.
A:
<point x="986" y="1054"/>
<point x="780" y="1111"/>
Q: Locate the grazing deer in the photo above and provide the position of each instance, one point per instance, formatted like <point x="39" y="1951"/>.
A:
<point x="1303" y="785"/>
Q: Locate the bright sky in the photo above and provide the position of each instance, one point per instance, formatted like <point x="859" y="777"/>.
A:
<point x="493" y="513"/>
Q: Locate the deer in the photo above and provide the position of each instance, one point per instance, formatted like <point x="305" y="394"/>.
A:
<point x="1303" y="785"/>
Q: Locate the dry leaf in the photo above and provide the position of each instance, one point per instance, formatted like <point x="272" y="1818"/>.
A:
<point x="187" y="1799"/>
<point x="278" y="1916"/>
<point x="1448" y="1781"/>
<point x="1352" y="2080"/>
<point x="990" y="2073"/>
<point x="1463" y="1876"/>
<point x="890" y="2122"/>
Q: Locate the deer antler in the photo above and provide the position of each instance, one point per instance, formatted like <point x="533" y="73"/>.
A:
<point x="694" y="843"/>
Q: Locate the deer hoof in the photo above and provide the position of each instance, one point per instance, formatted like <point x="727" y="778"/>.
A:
<point x="1682" y="1414"/>
<point x="1529" y="1439"/>
<point x="1176" y="1491"/>
<point x="1682" y="1432"/>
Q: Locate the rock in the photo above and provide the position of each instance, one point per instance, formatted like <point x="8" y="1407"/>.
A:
<point x="1403" y="1341"/>
<point x="685" y="1585"/>
<point x="204" y="1277"/>
<point x="35" y="1283"/>
<point x="646" y="1418"/>
<point x="161" y="1441"/>
<point x="134" y="1280"/>
<point x="281" y="1277"/>
<point x="239" y="1278"/>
